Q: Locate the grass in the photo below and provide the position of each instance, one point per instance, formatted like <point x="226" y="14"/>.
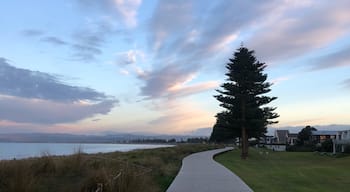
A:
<point x="289" y="171"/>
<point x="140" y="170"/>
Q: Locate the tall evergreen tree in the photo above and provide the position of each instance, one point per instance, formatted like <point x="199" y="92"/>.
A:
<point x="242" y="95"/>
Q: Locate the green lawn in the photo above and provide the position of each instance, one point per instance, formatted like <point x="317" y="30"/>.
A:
<point x="289" y="171"/>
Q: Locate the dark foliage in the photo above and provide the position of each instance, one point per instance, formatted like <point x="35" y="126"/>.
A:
<point x="327" y="146"/>
<point x="301" y="148"/>
<point x="347" y="149"/>
<point x="304" y="136"/>
<point x="224" y="129"/>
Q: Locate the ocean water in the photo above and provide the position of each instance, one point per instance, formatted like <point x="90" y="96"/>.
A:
<point x="25" y="150"/>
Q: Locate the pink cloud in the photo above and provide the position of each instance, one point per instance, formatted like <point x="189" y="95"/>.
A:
<point x="280" y="80"/>
<point x="127" y="9"/>
<point x="301" y="29"/>
<point x="184" y="90"/>
<point x="173" y="81"/>
<point x="181" y="117"/>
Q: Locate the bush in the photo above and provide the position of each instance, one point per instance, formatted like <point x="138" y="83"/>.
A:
<point x="301" y="148"/>
<point x="347" y="149"/>
<point x="327" y="146"/>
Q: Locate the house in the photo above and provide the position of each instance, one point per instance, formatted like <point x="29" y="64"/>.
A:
<point x="277" y="142"/>
<point x="292" y="138"/>
<point x="321" y="136"/>
<point x="281" y="136"/>
<point x="342" y="138"/>
<point x="267" y="139"/>
<point x="343" y="135"/>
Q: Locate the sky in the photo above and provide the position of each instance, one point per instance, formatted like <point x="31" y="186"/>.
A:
<point x="136" y="66"/>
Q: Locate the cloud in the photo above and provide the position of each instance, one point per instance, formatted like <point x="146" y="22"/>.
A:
<point x="336" y="59"/>
<point x="280" y="79"/>
<point x="90" y="39"/>
<point x="226" y="25"/>
<point x="276" y="30"/>
<point x="33" y="84"/>
<point x="24" y="110"/>
<point x="181" y="117"/>
<point x="54" y="40"/>
<point x="299" y="29"/>
<point x="84" y="52"/>
<point x="32" y="33"/>
<point x="125" y="11"/>
<point x="157" y="83"/>
<point x="124" y="71"/>
<point x="129" y="57"/>
<point x="203" y="37"/>
<point x="180" y="90"/>
<point x="346" y="83"/>
<point x="87" y="43"/>
<point x="141" y="74"/>
<point x="169" y="19"/>
<point x="185" y="37"/>
<point x="35" y="97"/>
<point x="200" y="132"/>
<point x="190" y="36"/>
<point x="172" y="81"/>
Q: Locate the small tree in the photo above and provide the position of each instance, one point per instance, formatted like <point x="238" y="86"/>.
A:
<point x="305" y="134"/>
<point x="243" y="98"/>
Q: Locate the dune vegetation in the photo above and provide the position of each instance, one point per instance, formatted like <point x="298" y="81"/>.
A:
<point x="140" y="170"/>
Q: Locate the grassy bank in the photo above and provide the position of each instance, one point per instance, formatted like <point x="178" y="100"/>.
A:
<point x="289" y="171"/>
<point x="139" y="170"/>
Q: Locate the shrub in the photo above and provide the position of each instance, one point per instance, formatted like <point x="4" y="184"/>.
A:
<point x="347" y="149"/>
<point x="327" y="146"/>
<point x="301" y="148"/>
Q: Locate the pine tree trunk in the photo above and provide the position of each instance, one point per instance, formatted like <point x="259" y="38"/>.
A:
<point x="244" y="153"/>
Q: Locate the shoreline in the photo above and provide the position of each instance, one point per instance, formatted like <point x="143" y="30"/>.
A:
<point x="17" y="151"/>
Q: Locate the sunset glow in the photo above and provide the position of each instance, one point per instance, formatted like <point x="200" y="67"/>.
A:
<point x="90" y="67"/>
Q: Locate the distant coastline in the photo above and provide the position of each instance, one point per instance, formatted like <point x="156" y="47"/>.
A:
<point x="122" y="138"/>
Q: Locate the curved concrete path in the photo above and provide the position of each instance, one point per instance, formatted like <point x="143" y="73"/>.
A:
<point x="200" y="173"/>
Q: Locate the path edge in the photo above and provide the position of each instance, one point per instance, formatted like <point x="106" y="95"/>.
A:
<point x="222" y="152"/>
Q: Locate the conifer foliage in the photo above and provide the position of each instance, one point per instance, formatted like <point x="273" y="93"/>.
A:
<point x="243" y="97"/>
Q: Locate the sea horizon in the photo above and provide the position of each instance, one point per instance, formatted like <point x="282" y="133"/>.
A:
<point x="23" y="150"/>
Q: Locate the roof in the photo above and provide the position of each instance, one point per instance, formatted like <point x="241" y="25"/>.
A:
<point x="281" y="133"/>
<point x="292" y="134"/>
<point x="324" y="132"/>
<point x="344" y="131"/>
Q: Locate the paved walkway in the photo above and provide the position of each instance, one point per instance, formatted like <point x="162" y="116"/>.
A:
<point x="200" y="173"/>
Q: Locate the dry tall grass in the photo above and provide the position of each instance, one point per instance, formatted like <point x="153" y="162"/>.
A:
<point x="149" y="170"/>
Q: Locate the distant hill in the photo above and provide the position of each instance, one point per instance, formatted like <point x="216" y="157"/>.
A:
<point x="296" y="129"/>
<point x="114" y="137"/>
